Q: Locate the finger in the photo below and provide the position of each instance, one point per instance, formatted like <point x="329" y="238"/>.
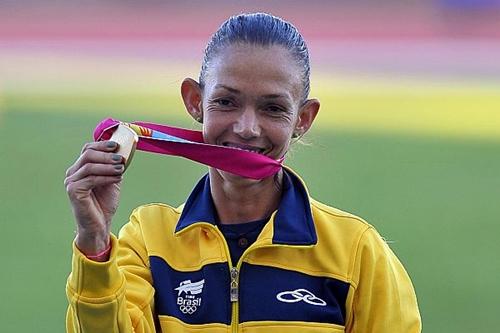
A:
<point x="88" y="183"/>
<point x="94" y="156"/>
<point x="106" y="145"/>
<point x="96" y="169"/>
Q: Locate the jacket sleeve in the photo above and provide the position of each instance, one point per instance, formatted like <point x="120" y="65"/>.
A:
<point x="112" y="296"/>
<point x="383" y="299"/>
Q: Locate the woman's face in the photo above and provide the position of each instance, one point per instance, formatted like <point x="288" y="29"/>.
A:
<point x="251" y="99"/>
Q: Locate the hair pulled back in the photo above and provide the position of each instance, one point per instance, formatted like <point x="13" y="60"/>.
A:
<point x="263" y="30"/>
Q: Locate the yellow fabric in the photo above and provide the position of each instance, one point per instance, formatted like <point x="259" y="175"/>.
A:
<point x="117" y="296"/>
<point x="289" y="326"/>
<point x="114" y="296"/>
<point x="171" y="324"/>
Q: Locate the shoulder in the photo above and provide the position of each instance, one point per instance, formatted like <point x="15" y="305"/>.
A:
<point x="156" y="208"/>
<point x="150" y="224"/>
<point x="358" y="241"/>
<point x="156" y="214"/>
<point x="338" y="222"/>
<point x="336" y="213"/>
<point x="338" y="226"/>
<point x="340" y="238"/>
<point x="342" y="226"/>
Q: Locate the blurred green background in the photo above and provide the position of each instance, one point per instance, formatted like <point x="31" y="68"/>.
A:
<point x="408" y="135"/>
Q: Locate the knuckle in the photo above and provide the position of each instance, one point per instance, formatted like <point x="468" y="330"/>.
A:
<point x="86" y="147"/>
<point x="92" y="156"/>
<point x="92" y="179"/>
<point x="86" y="168"/>
<point x="70" y="188"/>
<point x="85" y="155"/>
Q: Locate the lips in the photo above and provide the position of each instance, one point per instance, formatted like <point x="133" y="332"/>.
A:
<point x="250" y="148"/>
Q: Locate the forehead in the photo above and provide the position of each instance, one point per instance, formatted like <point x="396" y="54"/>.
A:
<point x="256" y="69"/>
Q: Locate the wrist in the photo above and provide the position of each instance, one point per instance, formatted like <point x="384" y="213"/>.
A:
<point x="101" y="256"/>
<point x="91" y="243"/>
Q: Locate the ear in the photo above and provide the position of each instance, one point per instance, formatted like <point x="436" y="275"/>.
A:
<point x="191" y="94"/>
<point x="305" y="119"/>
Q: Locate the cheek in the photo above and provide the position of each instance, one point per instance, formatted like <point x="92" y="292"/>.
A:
<point x="280" y="135"/>
<point x="213" y="127"/>
<point x="282" y="129"/>
<point x="207" y="131"/>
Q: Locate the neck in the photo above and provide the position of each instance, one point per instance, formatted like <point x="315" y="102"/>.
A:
<point x="239" y="200"/>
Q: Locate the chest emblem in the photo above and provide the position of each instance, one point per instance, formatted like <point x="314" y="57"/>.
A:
<point x="188" y="297"/>
<point x="298" y="295"/>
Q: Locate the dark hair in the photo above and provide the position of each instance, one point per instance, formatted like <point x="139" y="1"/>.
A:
<point x="259" y="29"/>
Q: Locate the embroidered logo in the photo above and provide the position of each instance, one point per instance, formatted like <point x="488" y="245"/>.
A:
<point x="298" y="295"/>
<point x="189" y="302"/>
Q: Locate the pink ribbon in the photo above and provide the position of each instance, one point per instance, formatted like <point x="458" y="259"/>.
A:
<point x="189" y="144"/>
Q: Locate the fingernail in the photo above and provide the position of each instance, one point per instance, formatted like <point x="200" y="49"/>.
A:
<point x="111" y="144"/>
<point x="116" y="157"/>
<point x="119" y="166"/>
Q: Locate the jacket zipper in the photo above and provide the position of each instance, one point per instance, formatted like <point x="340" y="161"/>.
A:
<point x="234" y="287"/>
<point x="234" y="283"/>
<point x="234" y="298"/>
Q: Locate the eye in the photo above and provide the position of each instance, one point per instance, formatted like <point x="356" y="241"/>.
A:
<point x="275" y="109"/>
<point x="224" y="102"/>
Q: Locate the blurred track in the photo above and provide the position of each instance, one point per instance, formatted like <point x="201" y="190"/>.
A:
<point x="429" y="64"/>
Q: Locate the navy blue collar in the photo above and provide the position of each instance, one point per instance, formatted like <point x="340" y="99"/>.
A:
<point x="293" y="222"/>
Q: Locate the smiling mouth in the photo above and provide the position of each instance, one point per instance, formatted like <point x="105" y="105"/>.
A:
<point x="252" y="149"/>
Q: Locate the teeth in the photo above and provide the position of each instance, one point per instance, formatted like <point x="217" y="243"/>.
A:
<point x="253" y="150"/>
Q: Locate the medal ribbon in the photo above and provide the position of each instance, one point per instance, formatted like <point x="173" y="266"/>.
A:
<point x="175" y="141"/>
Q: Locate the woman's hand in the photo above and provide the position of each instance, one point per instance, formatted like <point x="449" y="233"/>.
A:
<point x="93" y="186"/>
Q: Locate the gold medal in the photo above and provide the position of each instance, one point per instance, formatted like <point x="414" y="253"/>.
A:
<point x="127" y="140"/>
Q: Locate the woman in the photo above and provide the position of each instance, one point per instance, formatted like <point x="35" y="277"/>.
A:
<point x="241" y="254"/>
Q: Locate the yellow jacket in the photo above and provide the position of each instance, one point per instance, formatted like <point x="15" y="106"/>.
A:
<point x="312" y="269"/>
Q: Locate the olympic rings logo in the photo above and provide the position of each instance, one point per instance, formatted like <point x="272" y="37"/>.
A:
<point x="298" y="295"/>
<point x="190" y="309"/>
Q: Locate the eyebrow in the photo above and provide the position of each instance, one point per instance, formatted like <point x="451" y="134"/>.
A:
<point x="236" y="91"/>
<point x="274" y="96"/>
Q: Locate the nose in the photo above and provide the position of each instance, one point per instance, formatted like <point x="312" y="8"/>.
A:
<point x="247" y="125"/>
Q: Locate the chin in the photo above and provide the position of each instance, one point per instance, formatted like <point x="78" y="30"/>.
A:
<point x="233" y="178"/>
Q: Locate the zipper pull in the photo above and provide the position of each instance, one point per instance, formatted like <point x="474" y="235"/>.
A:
<point x="234" y="284"/>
